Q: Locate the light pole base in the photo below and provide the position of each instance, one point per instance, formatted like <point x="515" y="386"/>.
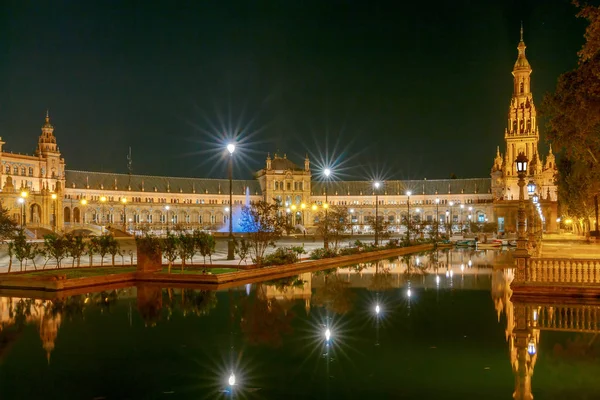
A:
<point x="230" y="247"/>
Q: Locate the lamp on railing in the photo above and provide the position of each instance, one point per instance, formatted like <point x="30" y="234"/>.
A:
<point x="521" y="251"/>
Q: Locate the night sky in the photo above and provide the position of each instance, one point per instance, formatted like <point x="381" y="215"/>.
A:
<point x="390" y="89"/>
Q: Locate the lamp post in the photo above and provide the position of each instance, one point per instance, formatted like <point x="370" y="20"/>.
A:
<point x="294" y="208"/>
<point x="470" y="217"/>
<point x="408" y="193"/>
<point x="84" y="204"/>
<point x="23" y="201"/>
<point x="326" y="173"/>
<point x="462" y="207"/>
<point x="167" y="208"/>
<point x="54" y="197"/>
<point x="303" y="208"/>
<point x="376" y="186"/>
<point x="530" y="193"/>
<point x="437" y="218"/>
<point x="351" y="211"/>
<point x="521" y="251"/>
<point x="230" y="243"/>
<point x="451" y="221"/>
<point x="124" y="202"/>
<point x="102" y="200"/>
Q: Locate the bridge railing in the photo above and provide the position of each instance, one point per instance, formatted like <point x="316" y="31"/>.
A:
<point x="563" y="271"/>
<point x="572" y="318"/>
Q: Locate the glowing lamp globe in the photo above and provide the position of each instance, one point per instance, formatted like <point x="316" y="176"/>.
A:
<point x="409" y="193"/>
<point x="521" y="162"/>
<point x="327" y="334"/>
<point x="531" y="188"/>
<point x="376" y="185"/>
<point x="231" y="380"/>
<point x="377" y="309"/>
<point x="231" y="148"/>
<point x="327" y="172"/>
<point x="531" y="348"/>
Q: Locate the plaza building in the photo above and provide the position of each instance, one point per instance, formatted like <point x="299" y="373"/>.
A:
<point x="42" y="195"/>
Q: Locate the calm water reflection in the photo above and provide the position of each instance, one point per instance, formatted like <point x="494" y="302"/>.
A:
<point x="413" y="327"/>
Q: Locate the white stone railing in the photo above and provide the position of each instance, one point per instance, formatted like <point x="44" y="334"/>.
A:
<point x="563" y="271"/>
<point x="576" y="318"/>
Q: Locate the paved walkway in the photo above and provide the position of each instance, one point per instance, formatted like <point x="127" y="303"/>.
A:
<point x="129" y="254"/>
<point x="567" y="245"/>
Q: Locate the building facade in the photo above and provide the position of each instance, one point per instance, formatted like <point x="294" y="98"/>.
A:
<point x="40" y="193"/>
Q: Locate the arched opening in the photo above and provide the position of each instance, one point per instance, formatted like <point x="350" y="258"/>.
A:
<point x="76" y="215"/>
<point x="35" y="214"/>
<point x="67" y="215"/>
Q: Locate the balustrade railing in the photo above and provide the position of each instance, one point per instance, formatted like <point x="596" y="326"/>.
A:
<point x="563" y="271"/>
<point x="569" y="318"/>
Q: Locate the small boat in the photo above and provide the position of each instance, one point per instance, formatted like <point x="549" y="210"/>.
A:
<point x="491" y="245"/>
<point x="445" y="243"/>
<point x="466" y="243"/>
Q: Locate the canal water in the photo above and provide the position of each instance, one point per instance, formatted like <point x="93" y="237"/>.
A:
<point x="431" y="326"/>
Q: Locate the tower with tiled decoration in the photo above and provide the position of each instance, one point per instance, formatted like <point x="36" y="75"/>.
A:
<point x="521" y="135"/>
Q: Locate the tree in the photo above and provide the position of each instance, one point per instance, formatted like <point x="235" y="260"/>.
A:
<point x="379" y="226"/>
<point x="205" y="243"/>
<point x="11" y="252"/>
<point x="24" y="250"/>
<point x="92" y="248"/>
<point x="113" y="247"/>
<point x="264" y="225"/>
<point x="104" y="245"/>
<point x="573" y="113"/>
<point x="170" y="248"/>
<point x="7" y="225"/>
<point x="55" y="247"/>
<point x="76" y="247"/>
<point x="241" y="248"/>
<point x="186" y="248"/>
<point x="337" y="220"/>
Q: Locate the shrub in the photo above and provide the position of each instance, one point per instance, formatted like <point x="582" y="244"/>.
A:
<point x="281" y="256"/>
<point x="318" y="254"/>
<point x="392" y="244"/>
<point x="347" y="251"/>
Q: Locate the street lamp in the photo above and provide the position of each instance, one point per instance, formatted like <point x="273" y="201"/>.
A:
<point x="521" y="251"/>
<point x="470" y="217"/>
<point x="294" y="208"/>
<point x="22" y="200"/>
<point x="451" y="221"/>
<point x="124" y="202"/>
<point x="408" y="193"/>
<point x="437" y="218"/>
<point x="462" y="206"/>
<point x="326" y="173"/>
<point x="303" y="207"/>
<point x="167" y="208"/>
<point x="376" y="186"/>
<point x="102" y="200"/>
<point x="84" y="204"/>
<point x="54" y="197"/>
<point x="230" y="244"/>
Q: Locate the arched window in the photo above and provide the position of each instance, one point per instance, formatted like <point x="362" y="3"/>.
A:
<point x="16" y="170"/>
<point x="522" y="87"/>
<point x="30" y="171"/>
<point x="276" y="185"/>
<point x="23" y="171"/>
<point x="8" y="169"/>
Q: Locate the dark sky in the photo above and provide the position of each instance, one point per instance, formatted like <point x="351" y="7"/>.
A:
<point x="391" y="88"/>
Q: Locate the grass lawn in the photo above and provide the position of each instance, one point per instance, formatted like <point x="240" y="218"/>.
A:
<point x="83" y="272"/>
<point x="176" y="269"/>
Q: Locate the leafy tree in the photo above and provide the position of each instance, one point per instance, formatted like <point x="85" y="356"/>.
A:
<point x="264" y="225"/>
<point x="11" y="253"/>
<point x="55" y="247"/>
<point x="186" y="248"/>
<point x="24" y="250"/>
<point x="573" y="113"/>
<point x="92" y="247"/>
<point x="381" y="226"/>
<point x="76" y="247"/>
<point x="241" y="249"/>
<point x="7" y="225"/>
<point x="336" y="221"/>
<point x="113" y="247"/>
<point x="104" y="243"/>
<point x="170" y="248"/>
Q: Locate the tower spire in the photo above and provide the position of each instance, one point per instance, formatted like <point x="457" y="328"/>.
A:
<point x="521" y="30"/>
<point x="47" y="115"/>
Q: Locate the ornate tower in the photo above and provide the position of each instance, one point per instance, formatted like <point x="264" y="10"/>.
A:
<point x="522" y="136"/>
